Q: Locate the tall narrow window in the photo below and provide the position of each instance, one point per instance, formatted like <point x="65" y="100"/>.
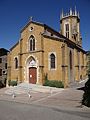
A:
<point x="70" y="56"/>
<point x="67" y="30"/>
<point x="52" y="61"/>
<point x="16" y="63"/>
<point x="32" y="43"/>
<point x="5" y="65"/>
<point x="0" y="60"/>
<point x="0" y="72"/>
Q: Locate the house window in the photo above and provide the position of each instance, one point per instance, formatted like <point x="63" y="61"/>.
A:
<point x="0" y="72"/>
<point x="52" y="61"/>
<point x="5" y="65"/>
<point x="51" y="34"/>
<point x="0" y="60"/>
<point x="32" y="43"/>
<point x="16" y="63"/>
<point x="67" y="30"/>
<point x="3" y="72"/>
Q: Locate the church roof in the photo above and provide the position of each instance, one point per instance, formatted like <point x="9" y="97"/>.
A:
<point x="14" y="45"/>
<point x="57" y="35"/>
<point x="62" y="38"/>
<point x="34" y="22"/>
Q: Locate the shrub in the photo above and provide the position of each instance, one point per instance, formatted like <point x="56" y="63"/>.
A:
<point x="5" y="81"/>
<point x="1" y="84"/>
<point x="86" y="95"/>
<point x="12" y="83"/>
<point x="88" y="62"/>
<point x="54" y="83"/>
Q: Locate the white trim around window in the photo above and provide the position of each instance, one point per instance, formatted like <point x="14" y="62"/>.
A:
<point x="15" y="63"/>
<point x="65" y="28"/>
<point x="28" y="43"/>
<point x="49" y="61"/>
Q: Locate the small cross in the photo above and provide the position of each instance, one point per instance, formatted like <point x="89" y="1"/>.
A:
<point x="31" y="18"/>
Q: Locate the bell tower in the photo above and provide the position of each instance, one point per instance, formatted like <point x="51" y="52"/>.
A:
<point x="70" y="26"/>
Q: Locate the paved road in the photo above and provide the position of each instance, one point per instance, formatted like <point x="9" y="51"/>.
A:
<point x="19" y="111"/>
<point x="57" y="105"/>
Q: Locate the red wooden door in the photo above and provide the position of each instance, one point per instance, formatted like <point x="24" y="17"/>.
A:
<point x="32" y="75"/>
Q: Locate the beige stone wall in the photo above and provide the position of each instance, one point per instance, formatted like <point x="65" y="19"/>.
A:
<point x="22" y="52"/>
<point x="76" y="65"/>
<point x="72" y="22"/>
<point x="66" y="75"/>
<point x="14" y="72"/>
<point x="36" y="32"/>
<point x="44" y="46"/>
<point x="80" y="64"/>
<point x="52" y="46"/>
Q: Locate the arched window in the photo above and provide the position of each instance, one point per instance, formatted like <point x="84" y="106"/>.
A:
<point x="32" y="43"/>
<point x="70" y="58"/>
<point x="16" y="62"/>
<point x="67" y="30"/>
<point x="52" y="61"/>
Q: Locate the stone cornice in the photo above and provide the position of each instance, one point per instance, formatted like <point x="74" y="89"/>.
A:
<point x="31" y="52"/>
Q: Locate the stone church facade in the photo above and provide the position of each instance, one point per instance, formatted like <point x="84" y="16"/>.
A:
<point x="42" y="51"/>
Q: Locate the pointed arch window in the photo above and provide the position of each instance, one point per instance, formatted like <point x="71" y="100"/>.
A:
<point x="52" y="61"/>
<point x="70" y="56"/>
<point x="32" y="43"/>
<point x="67" y="30"/>
<point x="16" y="62"/>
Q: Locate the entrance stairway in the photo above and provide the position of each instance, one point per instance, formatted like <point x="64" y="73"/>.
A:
<point x="24" y="88"/>
<point x="78" y="84"/>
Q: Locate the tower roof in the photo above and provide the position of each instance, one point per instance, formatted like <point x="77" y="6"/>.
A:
<point x="69" y="14"/>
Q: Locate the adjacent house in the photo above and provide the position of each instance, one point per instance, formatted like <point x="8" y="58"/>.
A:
<point x="3" y="65"/>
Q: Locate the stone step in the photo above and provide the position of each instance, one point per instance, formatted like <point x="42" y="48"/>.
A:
<point x="39" y="88"/>
<point x="25" y="88"/>
<point x="78" y="84"/>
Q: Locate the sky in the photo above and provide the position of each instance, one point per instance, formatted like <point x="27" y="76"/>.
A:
<point x="15" y="14"/>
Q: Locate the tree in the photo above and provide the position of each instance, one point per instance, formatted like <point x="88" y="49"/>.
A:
<point x="86" y="95"/>
<point x="88" y="62"/>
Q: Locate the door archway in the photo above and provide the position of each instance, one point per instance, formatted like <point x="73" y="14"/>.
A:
<point x="31" y="71"/>
<point x="32" y="75"/>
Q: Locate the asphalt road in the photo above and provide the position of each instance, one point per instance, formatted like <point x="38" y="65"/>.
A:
<point x="19" y="111"/>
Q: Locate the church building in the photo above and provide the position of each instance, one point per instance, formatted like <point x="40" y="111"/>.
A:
<point x="43" y="51"/>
